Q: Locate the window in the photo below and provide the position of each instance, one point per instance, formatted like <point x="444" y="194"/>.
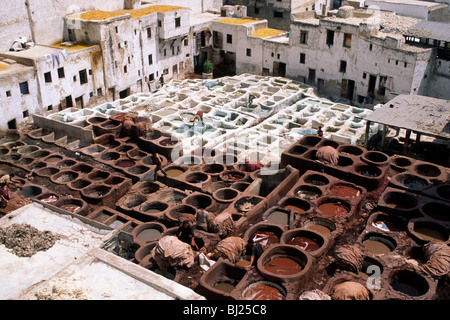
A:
<point x="249" y="52"/>
<point x="166" y="71"/>
<point x="278" y="56"/>
<point x="186" y="42"/>
<point x="406" y="64"/>
<point x="49" y="108"/>
<point x="117" y="29"/>
<point x="177" y="22"/>
<point x="48" y="77"/>
<point x="343" y="66"/>
<point x="278" y="14"/>
<point x="159" y="23"/>
<point x="370" y="47"/>
<point x="25" y="113"/>
<point x="149" y="32"/>
<point x="61" y="73"/>
<point x="229" y="38"/>
<point x="302" y="58"/>
<point x="8" y="93"/>
<point x="304" y="37"/>
<point x="256" y="10"/>
<point x="83" y="76"/>
<point x="150" y="59"/>
<point x="347" y="40"/>
<point x="125" y="70"/>
<point x="24" y="87"/>
<point x="330" y="37"/>
<point x="165" y="52"/>
<point x="364" y="75"/>
<point x="151" y="77"/>
<point x="99" y="91"/>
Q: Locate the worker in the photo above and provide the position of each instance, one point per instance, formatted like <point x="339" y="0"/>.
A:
<point x="186" y="234"/>
<point x="250" y="167"/>
<point x="4" y="194"/>
<point x="320" y="132"/>
<point x="198" y="116"/>
<point x="6" y="179"/>
<point x="158" y="162"/>
<point x="257" y="251"/>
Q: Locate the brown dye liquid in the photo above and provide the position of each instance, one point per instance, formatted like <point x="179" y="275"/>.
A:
<point x="71" y="208"/>
<point x="224" y="286"/>
<point x="174" y="172"/>
<point x="283" y="266"/>
<point x="262" y="292"/>
<point x="149" y="234"/>
<point x="53" y="159"/>
<point x="304" y="243"/>
<point x="343" y="191"/>
<point x="376" y="247"/>
<point x="153" y="211"/>
<point x="333" y="209"/>
<point x="279" y="217"/>
<point x="430" y="234"/>
<point x="319" y="228"/>
<point x="296" y="209"/>
<point x="125" y="163"/>
<point x="50" y="199"/>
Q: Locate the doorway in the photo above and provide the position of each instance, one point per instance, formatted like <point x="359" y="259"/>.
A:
<point x="347" y="89"/>
<point x="372" y="82"/>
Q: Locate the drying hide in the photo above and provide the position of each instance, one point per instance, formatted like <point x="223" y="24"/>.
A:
<point x="170" y="251"/>
<point x="230" y="248"/>
<point x="222" y="224"/>
<point x="328" y="155"/>
<point x="349" y="256"/>
<point x="438" y="259"/>
<point x="350" y="290"/>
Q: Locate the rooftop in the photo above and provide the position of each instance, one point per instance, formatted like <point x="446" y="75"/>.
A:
<point x="267" y="32"/>
<point x="429" y="116"/>
<point x="238" y="21"/>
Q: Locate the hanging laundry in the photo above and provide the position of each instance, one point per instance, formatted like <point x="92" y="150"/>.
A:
<point x="64" y="54"/>
<point x="55" y="57"/>
<point x="48" y="58"/>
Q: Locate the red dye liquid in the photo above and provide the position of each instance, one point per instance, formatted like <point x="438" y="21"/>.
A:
<point x="343" y="191"/>
<point x="304" y="243"/>
<point x="333" y="209"/>
<point x="262" y="292"/>
<point x="283" y="265"/>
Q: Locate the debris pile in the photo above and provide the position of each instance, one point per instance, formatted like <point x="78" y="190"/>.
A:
<point x="25" y="240"/>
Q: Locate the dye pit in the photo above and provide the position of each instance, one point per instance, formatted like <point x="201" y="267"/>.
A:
<point x="336" y="204"/>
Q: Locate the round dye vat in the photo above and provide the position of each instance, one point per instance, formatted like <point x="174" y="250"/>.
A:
<point x="296" y="209"/>
<point x="148" y="234"/>
<point x="225" y="286"/>
<point x="71" y="208"/>
<point x="243" y="263"/>
<point x="278" y="217"/>
<point x="409" y="283"/>
<point x="283" y="265"/>
<point x="430" y="234"/>
<point x="376" y="246"/>
<point x="49" y="199"/>
<point x="265" y="238"/>
<point x="344" y="191"/>
<point x="333" y="209"/>
<point x="304" y="243"/>
<point x="319" y="228"/>
<point x="174" y="172"/>
<point x="262" y="291"/>
<point x="308" y="193"/>
<point x="125" y="163"/>
<point x="168" y="142"/>
<point x="437" y="211"/>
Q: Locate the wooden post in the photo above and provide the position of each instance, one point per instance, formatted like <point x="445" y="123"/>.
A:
<point x="366" y="138"/>
<point x="383" y="138"/>
<point x="405" y="146"/>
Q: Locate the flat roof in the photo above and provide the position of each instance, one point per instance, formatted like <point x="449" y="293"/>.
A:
<point x="267" y="32"/>
<point x="77" y="266"/>
<point x="430" y="29"/>
<point x="427" y="4"/>
<point x="238" y="21"/>
<point x="426" y="115"/>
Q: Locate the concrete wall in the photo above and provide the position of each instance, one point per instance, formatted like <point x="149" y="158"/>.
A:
<point x="439" y="80"/>
<point x="13" y="106"/>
